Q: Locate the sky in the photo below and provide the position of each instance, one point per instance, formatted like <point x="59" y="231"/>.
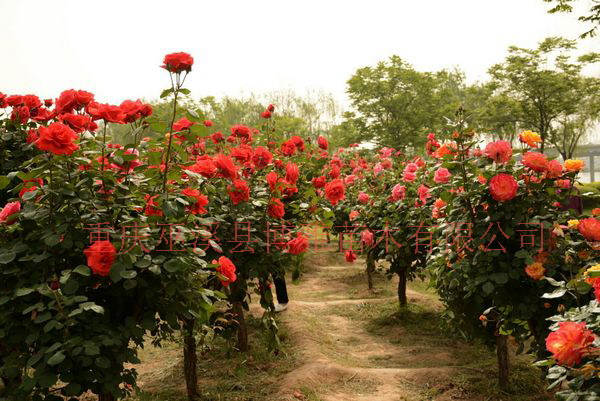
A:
<point x="114" y="48"/>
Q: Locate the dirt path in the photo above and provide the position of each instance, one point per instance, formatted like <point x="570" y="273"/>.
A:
<point x="354" y="346"/>
<point x="342" y="342"/>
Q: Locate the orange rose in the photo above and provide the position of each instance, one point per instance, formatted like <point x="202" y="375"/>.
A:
<point x="535" y="270"/>
<point x="574" y="165"/>
<point x="570" y="342"/>
<point x="530" y="138"/>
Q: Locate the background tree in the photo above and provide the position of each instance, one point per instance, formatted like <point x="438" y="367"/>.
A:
<point x="546" y="84"/>
<point x="394" y="104"/>
<point x="593" y="14"/>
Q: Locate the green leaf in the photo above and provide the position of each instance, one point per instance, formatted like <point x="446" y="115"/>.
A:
<point x="56" y="358"/>
<point x="4" y="181"/>
<point x="488" y="288"/>
<point x="23" y="291"/>
<point x="102" y="362"/>
<point x="7" y="257"/>
<point x="500" y="278"/>
<point x="128" y="274"/>
<point x="173" y="265"/>
<point x="166" y="93"/>
<point x="83" y="270"/>
<point x="144" y="262"/>
<point x="185" y="91"/>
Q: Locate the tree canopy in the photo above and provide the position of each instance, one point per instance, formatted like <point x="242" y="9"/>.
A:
<point x="544" y="88"/>
<point x="394" y="104"/>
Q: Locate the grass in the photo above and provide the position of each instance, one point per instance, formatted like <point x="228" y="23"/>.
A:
<point x="418" y="326"/>
<point x="223" y="375"/>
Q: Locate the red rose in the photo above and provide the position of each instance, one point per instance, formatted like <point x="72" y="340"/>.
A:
<point x="32" y="101"/>
<point x="292" y="173"/>
<point x="135" y="110"/>
<point x="298" y="245"/>
<point x="20" y="114"/>
<point x="205" y="167"/>
<point x="200" y="201"/>
<point x="242" y="153"/>
<point x="272" y="180"/>
<point x="335" y="191"/>
<point x="225" y="166"/>
<point x="499" y="151"/>
<point x="276" y="209"/>
<point x="182" y="124"/>
<point x="239" y="192"/>
<point x="298" y="142"/>
<point x="178" y="62"/>
<point x="78" y="122"/>
<point x="319" y="182"/>
<point x="288" y="148"/>
<point x="100" y="257"/>
<point x="271" y="108"/>
<point x="265" y="114"/>
<point x="3" y="103"/>
<point x="322" y="142"/>
<point x="503" y="187"/>
<point x="535" y="161"/>
<point x="71" y="99"/>
<point x="334" y="172"/>
<point x="8" y="210"/>
<point x="14" y="100"/>
<point x="262" y="157"/>
<point x="350" y="256"/>
<point x="58" y="139"/>
<point x="590" y="228"/>
<point x="226" y="268"/>
<point x="208" y="123"/>
<point x="242" y="132"/>
<point x="367" y="237"/>
<point x="151" y="206"/>
<point x="217" y="137"/>
<point x="106" y="112"/>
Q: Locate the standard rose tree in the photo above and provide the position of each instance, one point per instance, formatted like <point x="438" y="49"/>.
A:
<point x="99" y="248"/>
<point x="496" y="242"/>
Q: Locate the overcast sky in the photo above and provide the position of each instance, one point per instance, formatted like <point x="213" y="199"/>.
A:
<point x="113" y="48"/>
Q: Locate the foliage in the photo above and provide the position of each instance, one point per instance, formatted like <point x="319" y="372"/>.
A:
<point x="548" y="88"/>
<point x="592" y="17"/>
<point x="394" y="104"/>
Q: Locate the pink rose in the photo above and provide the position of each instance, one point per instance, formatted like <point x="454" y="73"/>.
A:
<point x="8" y="210"/>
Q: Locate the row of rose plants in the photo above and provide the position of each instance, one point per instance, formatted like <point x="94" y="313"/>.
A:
<point x="104" y="244"/>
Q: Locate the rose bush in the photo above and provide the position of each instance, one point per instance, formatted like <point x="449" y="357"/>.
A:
<point x="497" y="242"/>
<point x="90" y="261"/>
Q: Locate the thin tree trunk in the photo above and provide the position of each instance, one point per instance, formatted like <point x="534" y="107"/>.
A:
<point x="402" y="288"/>
<point x="106" y="397"/>
<point x="190" y="359"/>
<point x="370" y="269"/>
<point x="238" y="311"/>
<point x="503" y="362"/>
